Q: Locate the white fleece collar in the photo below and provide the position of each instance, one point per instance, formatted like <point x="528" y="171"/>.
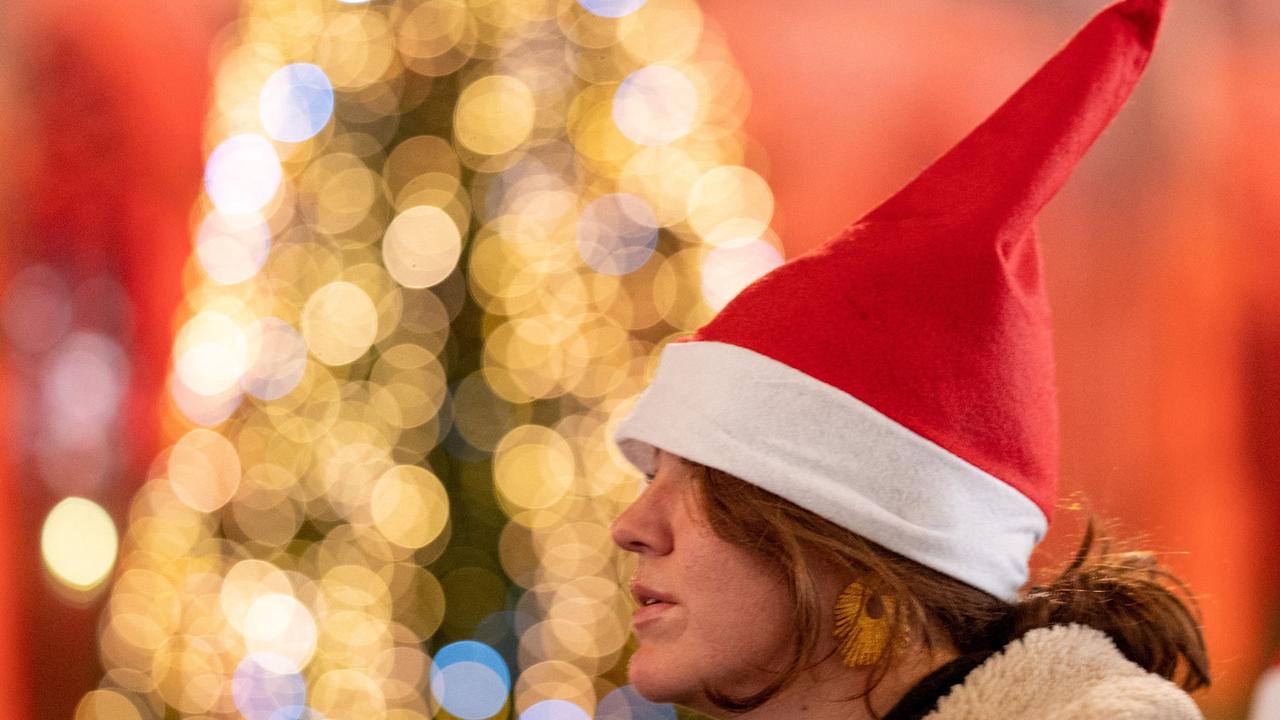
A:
<point x="1066" y="672"/>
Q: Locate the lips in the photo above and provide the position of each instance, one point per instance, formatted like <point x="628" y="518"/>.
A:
<point x="645" y="595"/>
<point x="653" y="604"/>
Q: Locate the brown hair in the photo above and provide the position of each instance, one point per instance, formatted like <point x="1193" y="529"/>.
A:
<point x="1146" y="610"/>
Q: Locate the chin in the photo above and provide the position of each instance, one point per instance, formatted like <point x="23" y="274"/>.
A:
<point x="659" y="680"/>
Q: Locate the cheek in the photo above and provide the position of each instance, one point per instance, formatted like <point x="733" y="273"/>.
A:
<point x="733" y="637"/>
<point x="743" y="611"/>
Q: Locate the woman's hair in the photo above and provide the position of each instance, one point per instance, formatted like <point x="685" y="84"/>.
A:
<point x="1148" y="612"/>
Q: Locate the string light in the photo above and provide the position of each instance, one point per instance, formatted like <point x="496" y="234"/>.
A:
<point x="439" y="247"/>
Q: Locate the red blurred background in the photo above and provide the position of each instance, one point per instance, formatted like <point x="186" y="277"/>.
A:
<point x="1158" y="254"/>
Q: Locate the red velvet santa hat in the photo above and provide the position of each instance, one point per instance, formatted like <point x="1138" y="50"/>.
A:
<point x="898" y="380"/>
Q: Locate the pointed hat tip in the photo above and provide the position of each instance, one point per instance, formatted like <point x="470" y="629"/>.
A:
<point x="1144" y="14"/>
<point x="1015" y="161"/>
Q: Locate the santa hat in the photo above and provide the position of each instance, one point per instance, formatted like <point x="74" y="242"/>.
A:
<point x="898" y="380"/>
<point x="1265" y="704"/>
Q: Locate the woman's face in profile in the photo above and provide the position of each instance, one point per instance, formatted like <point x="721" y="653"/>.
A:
<point x="711" y="612"/>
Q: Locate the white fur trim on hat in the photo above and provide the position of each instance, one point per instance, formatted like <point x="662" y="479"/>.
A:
<point x="769" y="424"/>
<point x="1266" y="696"/>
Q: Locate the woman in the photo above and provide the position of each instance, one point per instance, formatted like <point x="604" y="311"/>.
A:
<point x="739" y="592"/>
<point x="851" y="464"/>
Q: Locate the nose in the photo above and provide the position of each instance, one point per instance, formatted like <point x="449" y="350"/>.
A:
<point x="642" y="528"/>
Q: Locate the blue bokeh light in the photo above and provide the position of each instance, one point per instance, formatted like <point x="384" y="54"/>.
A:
<point x="554" y="710"/>
<point x="470" y="680"/>
<point x="626" y="704"/>
<point x="296" y="102"/>
<point x="612" y="8"/>
<point x="262" y="693"/>
<point x="617" y="233"/>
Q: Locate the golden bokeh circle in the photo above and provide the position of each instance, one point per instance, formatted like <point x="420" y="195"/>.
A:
<point x="421" y="246"/>
<point x="204" y="470"/>
<point x="339" y="323"/>
<point x="533" y="467"/>
<point x="494" y="115"/>
<point x="730" y="206"/>
<point x="409" y="506"/>
<point x="106" y="705"/>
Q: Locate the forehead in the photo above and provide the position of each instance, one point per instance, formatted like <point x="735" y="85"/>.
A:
<point x="674" y="469"/>
<point x="677" y="481"/>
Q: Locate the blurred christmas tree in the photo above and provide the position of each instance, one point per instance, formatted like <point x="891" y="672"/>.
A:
<point x="440" y="243"/>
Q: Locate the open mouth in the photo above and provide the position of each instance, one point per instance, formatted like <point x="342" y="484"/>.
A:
<point x="646" y="596"/>
<point x="652" y="604"/>
<point x="651" y="611"/>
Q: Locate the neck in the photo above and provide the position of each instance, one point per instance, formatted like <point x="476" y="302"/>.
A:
<point x="825" y="691"/>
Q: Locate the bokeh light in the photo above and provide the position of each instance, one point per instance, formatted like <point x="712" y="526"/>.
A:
<point x="612" y="8"/>
<point x="439" y="246"/>
<point x="213" y="353"/>
<point x="409" y="506"/>
<point x="78" y="543"/>
<point x="296" y="102"/>
<point x="83" y="387"/>
<point x="625" y="703"/>
<point x="421" y="246"/>
<point x="656" y="105"/>
<point x="727" y="270"/>
<point x="554" y="710"/>
<point x="36" y="309"/>
<point x="263" y="692"/>
<point x="339" y="322"/>
<point x="730" y="206"/>
<point x="106" y="705"/>
<point x="279" y="359"/>
<point x="470" y="680"/>
<point x="242" y="174"/>
<point x="494" y="115"/>
<point x="232" y="248"/>
<point x="281" y="630"/>
<point x="617" y="234"/>
<point x="204" y="470"/>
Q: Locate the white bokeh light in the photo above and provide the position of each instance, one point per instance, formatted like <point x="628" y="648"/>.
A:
<point x="554" y="710"/>
<point x="213" y="353"/>
<point x="279" y="359"/>
<point x="655" y="105"/>
<point x="83" y="386"/>
<point x="206" y="410"/>
<point x="727" y="270"/>
<point x="232" y="248"/>
<point x="282" y="631"/>
<point x="78" y="543"/>
<point x="242" y="174"/>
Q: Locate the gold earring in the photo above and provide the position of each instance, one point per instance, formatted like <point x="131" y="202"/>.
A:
<point x="864" y="621"/>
